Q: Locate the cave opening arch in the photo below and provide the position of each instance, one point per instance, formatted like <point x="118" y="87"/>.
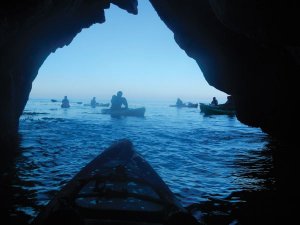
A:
<point x="136" y="53"/>
<point x="30" y="32"/>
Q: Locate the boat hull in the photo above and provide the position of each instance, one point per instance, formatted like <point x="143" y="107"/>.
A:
<point x="117" y="187"/>
<point x="215" y="110"/>
<point x="191" y="105"/>
<point x="98" y="104"/>
<point x="138" y="112"/>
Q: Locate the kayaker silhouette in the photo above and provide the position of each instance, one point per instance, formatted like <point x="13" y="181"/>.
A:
<point x="93" y="102"/>
<point x="117" y="101"/>
<point x="179" y="102"/>
<point x="65" y="102"/>
<point x="214" y="101"/>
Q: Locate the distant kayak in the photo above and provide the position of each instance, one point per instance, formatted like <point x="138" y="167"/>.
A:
<point x="178" y="106"/>
<point x="98" y="104"/>
<point x="103" y="104"/>
<point x="65" y="105"/>
<point x="216" y="110"/>
<point x="117" y="187"/>
<point x="139" y="112"/>
<point x="188" y="105"/>
<point x="53" y="100"/>
<point x="192" y="105"/>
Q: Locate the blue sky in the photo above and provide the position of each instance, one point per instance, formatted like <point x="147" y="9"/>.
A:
<point x="133" y="53"/>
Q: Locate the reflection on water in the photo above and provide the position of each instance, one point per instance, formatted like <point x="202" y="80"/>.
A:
<point x="273" y="201"/>
<point x="224" y="172"/>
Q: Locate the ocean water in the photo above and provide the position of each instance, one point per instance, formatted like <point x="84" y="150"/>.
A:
<point x="209" y="162"/>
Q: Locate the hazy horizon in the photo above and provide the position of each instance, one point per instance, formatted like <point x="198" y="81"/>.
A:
<point x="168" y="101"/>
<point x="133" y="53"/>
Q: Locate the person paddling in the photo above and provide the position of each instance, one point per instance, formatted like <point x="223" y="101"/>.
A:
<point x="117" y="101"/>
<point x="65" y="102"/>
<point x="93" y="102"/>
<point x="214" y="101"/>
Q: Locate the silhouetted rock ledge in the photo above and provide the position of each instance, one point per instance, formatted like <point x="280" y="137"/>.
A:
<point x="248" y="49"/>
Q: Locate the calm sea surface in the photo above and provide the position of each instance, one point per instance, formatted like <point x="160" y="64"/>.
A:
<point x="205" y="160"/>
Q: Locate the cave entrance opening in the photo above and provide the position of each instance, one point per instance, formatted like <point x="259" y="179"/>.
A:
<point x="133" y="53"/>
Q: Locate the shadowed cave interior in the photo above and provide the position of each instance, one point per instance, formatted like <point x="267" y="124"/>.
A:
<point x="239" y="48"/>
<point x="249" y="50"/>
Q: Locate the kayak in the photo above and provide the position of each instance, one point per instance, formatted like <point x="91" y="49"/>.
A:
<point x="65" y="105"/>
<point x="189" y="105"/>
<point x="178" y="106"/>
<point x="117" y="187"/>
<point x="215" y="110"/>
<point x="98" y="104"/>
<point x="192" y="105"/>
<point x="139" y="112"/>
<point x="103" y="104"/>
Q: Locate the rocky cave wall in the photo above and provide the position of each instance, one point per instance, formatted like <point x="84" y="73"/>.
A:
<point x="249" y="49"/>
<point x="29" y="32"/>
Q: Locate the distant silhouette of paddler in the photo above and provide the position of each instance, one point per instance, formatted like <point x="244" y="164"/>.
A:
<point x="65" y="102"/>
<point x="214" y="101"/>
<point x="117" y="101"/>
<point x="93" y="102"/>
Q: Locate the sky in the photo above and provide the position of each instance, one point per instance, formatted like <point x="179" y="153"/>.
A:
<point x="136" y="54"/>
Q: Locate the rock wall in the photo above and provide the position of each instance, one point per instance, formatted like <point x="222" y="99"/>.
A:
<point x="249" y="49"/>
<point x="29" y="32"/>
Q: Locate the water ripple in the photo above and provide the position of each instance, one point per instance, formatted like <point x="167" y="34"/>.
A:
<point x="199" y="157"/>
